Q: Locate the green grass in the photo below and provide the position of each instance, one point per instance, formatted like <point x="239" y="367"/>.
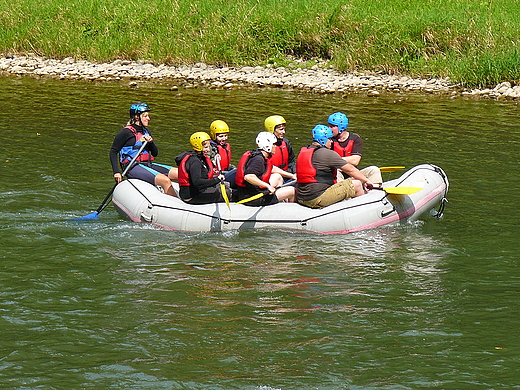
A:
<point x="473" y="42"/>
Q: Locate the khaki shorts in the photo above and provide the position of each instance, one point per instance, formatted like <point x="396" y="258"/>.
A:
<point x="372" y="173"/>
<point x="335" y="193"/>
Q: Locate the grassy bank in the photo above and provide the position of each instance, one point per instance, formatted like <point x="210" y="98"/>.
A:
<point x="474" y="42"/>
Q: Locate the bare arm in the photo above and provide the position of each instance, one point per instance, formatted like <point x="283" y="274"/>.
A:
<point x="353" y="172"/>
<point x="354" y="159"/>
<point x="286" y="174"/>
<point x="251" y="178"/>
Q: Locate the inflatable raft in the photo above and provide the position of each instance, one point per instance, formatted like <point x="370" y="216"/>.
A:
<point x="142" y="202"/>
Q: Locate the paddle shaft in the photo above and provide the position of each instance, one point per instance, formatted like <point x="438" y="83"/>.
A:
<point x="390" y="169"/>
<point x="259" y="195"/>
<point x="128" y="167"/>
<point x="222" y="186"/>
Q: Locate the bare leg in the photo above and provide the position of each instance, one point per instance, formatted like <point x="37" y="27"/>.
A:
<point x="358" y="186"/>
<point x="173" y="174"/>
<point x="166" y="184"/>
<point x="276" y="180"/>
<point x="286" y="193"/>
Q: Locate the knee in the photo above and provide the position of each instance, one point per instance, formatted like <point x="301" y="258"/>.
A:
<point x="358" y="187"/>
<point x="276" y="180"/>
<point x="162" y="180"/>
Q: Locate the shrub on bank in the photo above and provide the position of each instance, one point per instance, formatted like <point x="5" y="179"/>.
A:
<point x="472" y="42"/>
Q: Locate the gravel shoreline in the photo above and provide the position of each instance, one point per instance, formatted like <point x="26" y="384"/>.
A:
<point x="316" y="79"/>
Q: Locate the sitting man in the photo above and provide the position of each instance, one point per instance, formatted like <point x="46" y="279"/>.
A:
<point x="198" y="182"/>
<point x="349" y="146"/>
<point x="256" y="175"/>
<point x="316" y="168"/>
<point x="284" y="157"/>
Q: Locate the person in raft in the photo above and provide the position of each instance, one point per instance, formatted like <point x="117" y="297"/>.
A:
<point x="257" y="175"/>
<point x="349" y="146"/>
<point x="219" y="132"/>
<point x="126" y="145"/>
<point x="284" y="157"/>
<point x="198" y="179"/>
<point x="220" y="153"/>
<point x="316" y="167"/>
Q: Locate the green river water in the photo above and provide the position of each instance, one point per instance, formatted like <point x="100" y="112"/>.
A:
<point x="111" y="304"/>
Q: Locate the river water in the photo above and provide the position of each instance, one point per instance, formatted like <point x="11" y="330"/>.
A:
<point x="113" y="304"/>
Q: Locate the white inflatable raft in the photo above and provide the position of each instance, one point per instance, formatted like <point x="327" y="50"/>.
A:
<point x="142" y="202"/>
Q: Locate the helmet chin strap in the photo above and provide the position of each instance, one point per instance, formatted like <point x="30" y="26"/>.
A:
<point x="138" y="120"/>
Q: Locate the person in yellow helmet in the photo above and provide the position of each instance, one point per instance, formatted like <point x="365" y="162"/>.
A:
<point x="219" y="132"/>
<point x="284" y="157"/>
<point x="220" y="153"/>
<point x="199" y="181"/>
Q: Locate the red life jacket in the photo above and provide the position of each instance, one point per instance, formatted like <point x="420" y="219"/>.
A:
<point x="184" y="177"/>
<point x="127" y="153"/>
<point x="225" y="155"/>
<point x="281" y="157"/>
<point x="343" y="151"/>
<point x="306" y="172"/>
<point x="242" y="165"/>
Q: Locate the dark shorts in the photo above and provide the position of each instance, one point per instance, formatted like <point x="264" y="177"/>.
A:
<point x="209" y="195"/>
<point x="148" y="173"/>
<point x="230" y="177"/>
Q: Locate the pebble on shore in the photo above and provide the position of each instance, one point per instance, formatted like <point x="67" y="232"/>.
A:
<point x="316" y="79"/>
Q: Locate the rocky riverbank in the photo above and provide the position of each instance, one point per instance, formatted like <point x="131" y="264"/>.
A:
<point x="316" y="79"/>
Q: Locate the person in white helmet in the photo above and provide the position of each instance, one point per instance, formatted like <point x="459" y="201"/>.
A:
<point x="256" y="175"/>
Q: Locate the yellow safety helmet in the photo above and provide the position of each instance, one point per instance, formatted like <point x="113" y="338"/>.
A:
<point x="218" y="127"/>
<point x="197" y="139"/>
<point x="272" y="121"/>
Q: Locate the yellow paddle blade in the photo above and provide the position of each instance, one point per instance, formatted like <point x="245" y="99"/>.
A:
<point x="401" y="190"/>
<point x="251" y="198"/>
<point x="390" y="169"/>
<point x="224" y="195"/>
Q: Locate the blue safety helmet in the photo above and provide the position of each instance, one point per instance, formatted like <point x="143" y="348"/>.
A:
<point x="339" y="119"/>
<point x="321" y="134"/>
<point x="138" y="109"/>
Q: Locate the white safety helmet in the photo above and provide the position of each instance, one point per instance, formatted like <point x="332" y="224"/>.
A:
<point x="265" y="141"/>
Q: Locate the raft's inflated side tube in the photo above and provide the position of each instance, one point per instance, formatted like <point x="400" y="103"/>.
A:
<point x="143" y="202"/>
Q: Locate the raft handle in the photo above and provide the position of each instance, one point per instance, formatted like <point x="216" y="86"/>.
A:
<point x="387" y="213"/>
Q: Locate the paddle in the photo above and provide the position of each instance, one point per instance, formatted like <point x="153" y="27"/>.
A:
<point x="398" y="190"/>
<point x="390" y="169"/>
<point x="259" y="195"/>
<point x="101" y="206"/>
<point x="222" y="185"/>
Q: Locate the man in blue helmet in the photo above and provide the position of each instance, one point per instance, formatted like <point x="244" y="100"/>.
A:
<point x="126" y="146"/>
<point x="349" y="146"/>
<point x="316" y="169"/>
